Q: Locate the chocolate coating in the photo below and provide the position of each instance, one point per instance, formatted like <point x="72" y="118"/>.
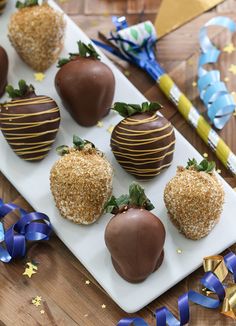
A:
<point x="2" y="5"/>
<point x="30" y="125"/>
<point x="3" y="70"/>
<point x="135" y="239"/>
<point x="86" y="87"/>
<point x="143" y="144"/>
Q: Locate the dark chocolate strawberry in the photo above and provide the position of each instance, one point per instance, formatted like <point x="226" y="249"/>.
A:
<point x="134" y="236"/>
<point x="3" y="70"/>
<point x="29" y="122"/>
<point x="86" y="85"/>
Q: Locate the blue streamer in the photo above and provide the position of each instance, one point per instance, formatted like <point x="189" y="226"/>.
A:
<point x="218" y="101"/>
<point x="210" y="281"/>
<point x="33" y="226"/>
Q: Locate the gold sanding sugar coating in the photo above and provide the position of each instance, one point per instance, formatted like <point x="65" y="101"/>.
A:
<point x="37" y="35"/>
<point x="194" y="201"/>
<point x="81" y="183"/>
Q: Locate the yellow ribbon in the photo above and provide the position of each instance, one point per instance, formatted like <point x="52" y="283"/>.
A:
<point x="216" y="265"/>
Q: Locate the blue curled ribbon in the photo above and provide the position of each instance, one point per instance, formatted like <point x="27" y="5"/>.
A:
<point x="33" y="226"/>
<point x="209" y="280"/>
<point x="218" y="101"/>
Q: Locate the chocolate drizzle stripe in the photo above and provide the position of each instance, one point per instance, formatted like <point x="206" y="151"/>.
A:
<point x="130" y="121"/>
<point x="145" y="152"/>
<point x="144" y="172"/>
<point x="145" y="161"/>
<point x="14" y="116"/>
<point x="26" y="136"/>
<point x="29" y="125"/>
<point x="48" y="142"/>
<point x="140" y="132"/>
<point x="26" y="152"/>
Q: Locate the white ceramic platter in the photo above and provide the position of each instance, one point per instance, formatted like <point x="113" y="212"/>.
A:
<point x="87" y="242"/>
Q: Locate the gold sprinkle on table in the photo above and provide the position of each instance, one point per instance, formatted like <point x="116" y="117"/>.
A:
<point x="229" y="48"/>
<point x="179" y="251"/>
<point x="194" y="84"/>
<point x="103" y="306"/>
<point x="205" y="155"/>
<point x="127" y="73"/>
<point x="100" y="124"/>
<point x="232" y="69"/>
<point x="218" y="171"/>
<point x="39" y="76"/>
<point x="190" y="62"/>
<point x="86" y="315"/>
<point x="87" y="282"/>
<point x="110" y="129"/>
<point x="42" y="312"/>
<point x="37" y="301"/>
<point x="30" y="270"/>
<point x="226" y="79"/>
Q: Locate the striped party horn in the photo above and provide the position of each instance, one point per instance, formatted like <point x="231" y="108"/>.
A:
<point x="136" y="44"/>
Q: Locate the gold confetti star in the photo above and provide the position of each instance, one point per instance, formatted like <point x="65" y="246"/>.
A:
<point x="42" y="312"/>
<point x="86" y="315"/>
<point x="100" y="124"/>
<point x="110" y="129"/>
<point x="179" y="251"/>
<point x="103" y="306"/>
<point x="190" y="62"/>
<point x="226" y="79"/>
<point x="39" y="76"/>
<point x="37" y="301"/>
<point x="194" y="84"/>
<point x="218" y="171"/>
<point x="229" y="48"/>
<point x="87" y="282"/>
<point x="127" y="73"/>
<point x="232" y="69"/>
<point x="205" y="155"/>
<point x="30" y="269"/>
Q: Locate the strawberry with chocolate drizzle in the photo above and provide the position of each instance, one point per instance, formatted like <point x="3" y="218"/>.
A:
<point x="29" y="122"/>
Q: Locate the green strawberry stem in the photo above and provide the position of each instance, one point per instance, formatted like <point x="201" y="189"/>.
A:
<point x="136" y="198"/>
<point x="204" y="165"/>
<point x="85" y="51"/>
<point x="127" y="110"/>
<point x="27" y="3"/>
<point x="23" y="90"/>
<point x="79" y="144"/>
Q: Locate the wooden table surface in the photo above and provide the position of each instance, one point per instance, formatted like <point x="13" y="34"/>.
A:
<point x="61" y="279"/>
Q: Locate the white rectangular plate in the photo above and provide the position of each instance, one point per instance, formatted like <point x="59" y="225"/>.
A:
<point x="87" y="242"/>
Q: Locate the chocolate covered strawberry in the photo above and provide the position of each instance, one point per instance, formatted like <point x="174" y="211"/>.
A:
<point x="86" y="85"/>
<point x="134" y="236"/>
<point x="29" y="122"/>
<point x="36" y="32"/>
<point x="3" y="70"/>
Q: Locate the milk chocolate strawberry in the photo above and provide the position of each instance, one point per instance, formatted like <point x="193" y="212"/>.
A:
<point x="36" y="32"/>
<point x="3" y="70"/>
<point x="86" y="85"/>
<point x="29" y="122"/>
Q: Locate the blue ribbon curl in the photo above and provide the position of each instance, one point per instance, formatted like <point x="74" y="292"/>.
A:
<point x="33" y="226"/>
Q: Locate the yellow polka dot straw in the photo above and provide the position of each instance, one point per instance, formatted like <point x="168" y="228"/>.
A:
<point x="136" y="44"/>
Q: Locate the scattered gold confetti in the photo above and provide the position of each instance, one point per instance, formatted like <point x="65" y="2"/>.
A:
<point x="179" y="251"/>
<point x="30" y="269"/>
<point x="194" y="84"/>
<point x="37" y="301"/>
<point x="110" y="129"/>
<point x="42" y="312"/>
<point x="106" y="14"/>
<point x="208" y="292"/>
<point x="190" y="62"/>
<point x="226" y="79"/>
<point x="104" y="306"/>
<point x="232" y="69"/>
<point x="218" y="171"/>
<point x="86" y="315"/>
<point x="100" y="124"/>
<point x="127" y="73"/>
<point x="229" y="48"/>
<point x="39" y="76"/>
<point x="87" y="282"/>
<point x="94" y="23"/>
<point x="205" y="155"/>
